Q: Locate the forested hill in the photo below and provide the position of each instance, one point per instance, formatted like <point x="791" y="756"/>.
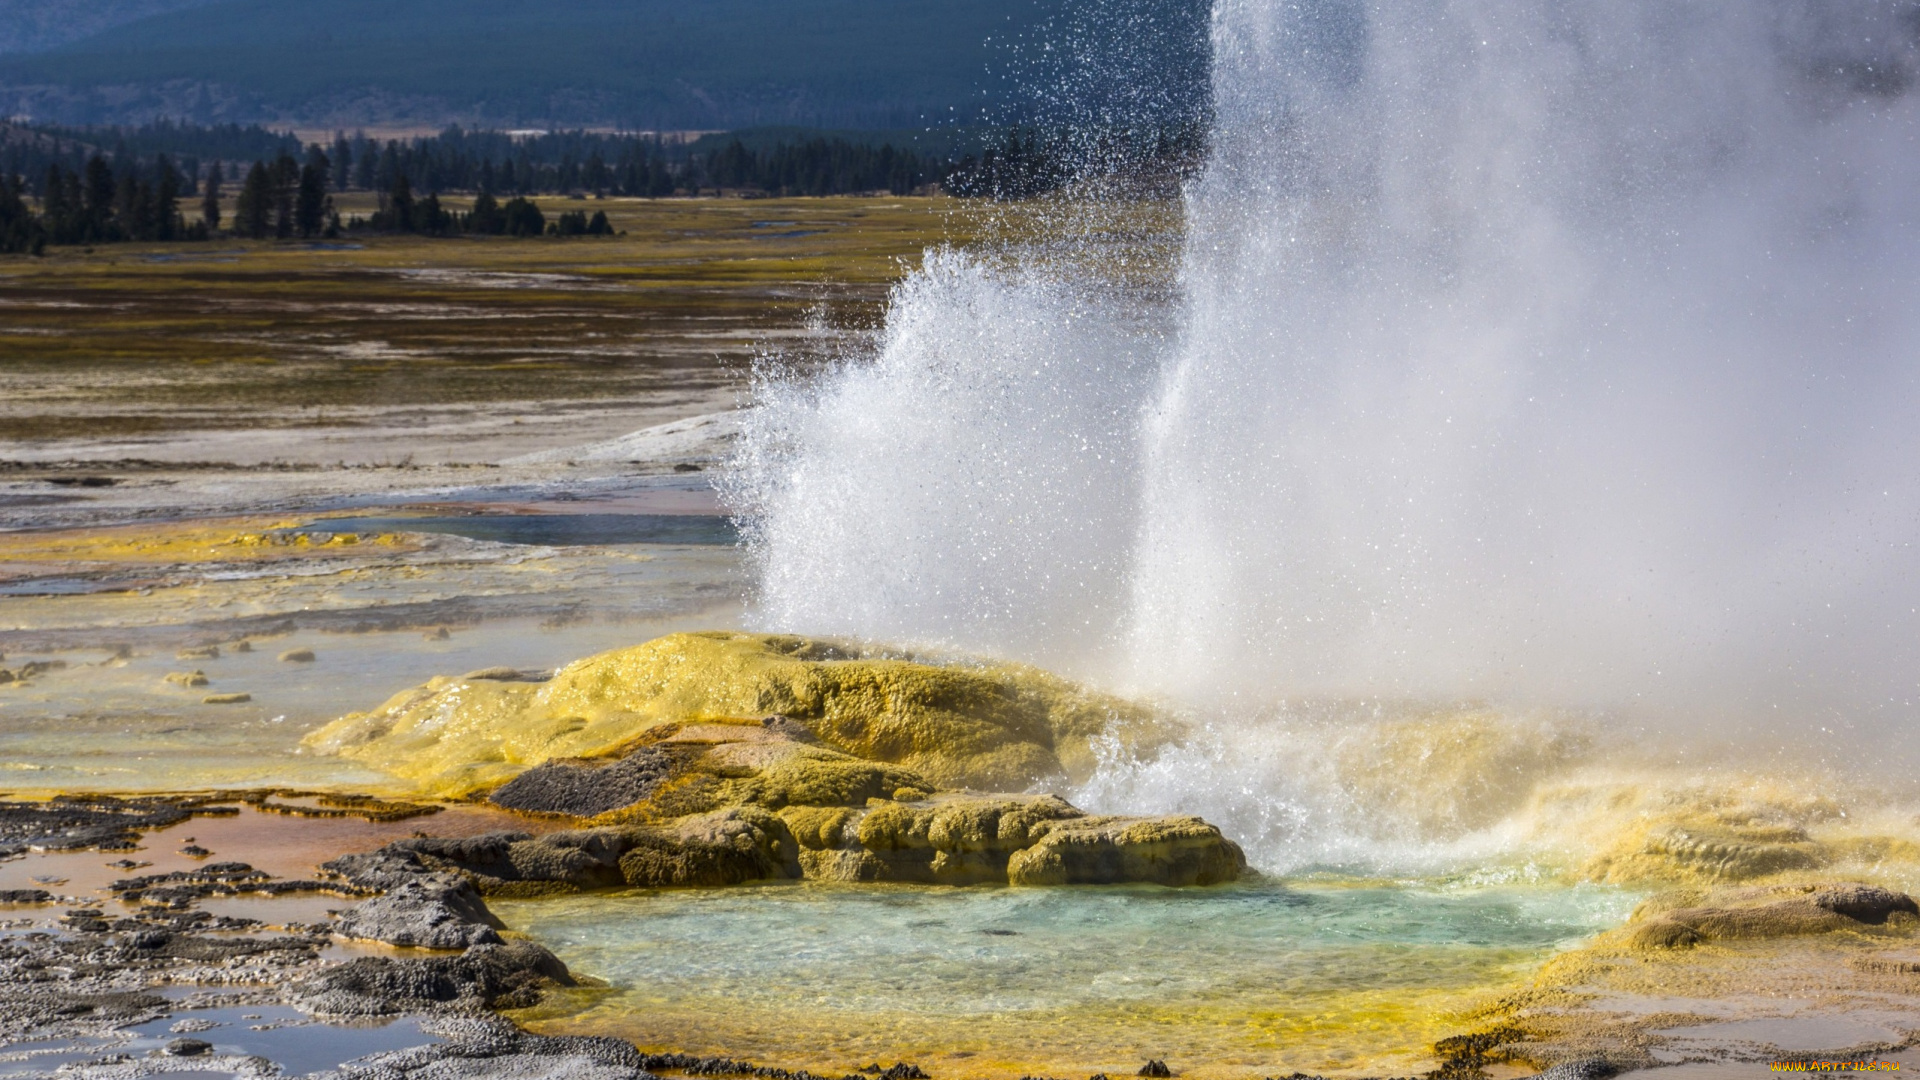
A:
<point x="637" y="64"/>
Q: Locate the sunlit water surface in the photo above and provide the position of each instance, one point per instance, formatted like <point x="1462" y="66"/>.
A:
<point x="1249" y="979"/>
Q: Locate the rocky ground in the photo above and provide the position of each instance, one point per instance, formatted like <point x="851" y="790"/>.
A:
<point x="80" y="990"/>
<point x="866" y="774"/>
<point x="864" y="777"/>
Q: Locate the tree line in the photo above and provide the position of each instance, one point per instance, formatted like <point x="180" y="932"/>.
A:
<point x="97" y="204"/>
<point x="89" y="196"/>
<point x="1029" y="162"/>
<point x="282" y="199"/>
<point x="633" y="166"/>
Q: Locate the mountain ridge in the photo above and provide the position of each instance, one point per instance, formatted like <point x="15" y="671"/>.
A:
<point x="639" y="64"/>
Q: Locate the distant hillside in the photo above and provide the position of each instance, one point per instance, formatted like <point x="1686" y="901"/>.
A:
<point x="642" y="64"/>
<point x="28" y="26"/>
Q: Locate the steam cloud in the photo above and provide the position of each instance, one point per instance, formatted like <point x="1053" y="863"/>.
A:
<point x="1551" y="352"/>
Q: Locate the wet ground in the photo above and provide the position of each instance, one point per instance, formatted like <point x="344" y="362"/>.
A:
<point x="243" y="492"/>
<point x="197" y="653"/>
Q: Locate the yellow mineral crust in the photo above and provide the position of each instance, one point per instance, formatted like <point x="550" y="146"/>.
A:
<point x="994" y="727"/>
<point x="183" y="543"/>
<point x="1662" y="829"/>
<point x="948" y="839"/>
<point x="1687" y="918"/>
<point x="707" y="804"/>
<point x="771" y="776"/>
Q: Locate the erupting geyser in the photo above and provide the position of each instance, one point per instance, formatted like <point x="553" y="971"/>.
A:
<point x="1552" y="353"/>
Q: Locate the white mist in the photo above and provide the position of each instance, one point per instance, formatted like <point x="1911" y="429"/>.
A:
<point x="1563" y="354"/>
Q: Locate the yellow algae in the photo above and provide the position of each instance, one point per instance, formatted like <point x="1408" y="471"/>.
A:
<point x="1181" y="850"/>
<point x="176" y="543"/>
<point x="1364" y="1033"/>
<point x="994" y="727"/>
<point x="817" y="827"/>
<point x="811" y="776"/>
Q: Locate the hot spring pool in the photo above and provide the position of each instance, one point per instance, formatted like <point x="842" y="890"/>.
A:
<point x="1252" y="979"/>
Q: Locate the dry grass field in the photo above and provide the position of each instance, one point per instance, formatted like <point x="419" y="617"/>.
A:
<point x="133" y="352"/>
<point x="131" y="340"/>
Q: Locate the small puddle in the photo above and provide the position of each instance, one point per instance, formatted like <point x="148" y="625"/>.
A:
<point x="551" y="530"/>
<point x="1796" y="1034"/>
<point x="59" y="586"/>
<point x="296" y="1042"/>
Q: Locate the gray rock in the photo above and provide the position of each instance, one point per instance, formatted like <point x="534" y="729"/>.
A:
<point x="189" y="1047"/>
<point x="505" y="975"/>
<point x="1865" y="903"/>
<point x="490" y="1048"/>
<point x="433" y="911"/>
<point x="406" y="860"/>
<point x="584" y="858"/>
<point x="71" y="823"/>
<point x="583" y="788"/>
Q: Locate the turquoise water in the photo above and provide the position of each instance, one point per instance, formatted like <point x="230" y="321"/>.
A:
<point x="1254" y="976"/>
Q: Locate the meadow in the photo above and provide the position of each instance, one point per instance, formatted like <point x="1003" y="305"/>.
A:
<point x="131" y="339"/>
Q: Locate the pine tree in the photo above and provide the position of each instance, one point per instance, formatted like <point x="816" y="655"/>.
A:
<point x="286" y="188"/>
<point x="390" y="166"/>
<point x="97" y="189"/>
<point x="364" y="163"/>
<point x="523" y="218"/>
<point x="396" y="207"/>
<point x="431" y="218"/>
<point x="597" y="173"/>
<point x="18" y="230"/>
<point x="486" y="218"/>
<point x="312" y="203"/>
<point x="132" y="210"/>
<point x="55" y="210"/>
<point x="166" y="201"/>
<point x="342" y="161"/>
<point x="253" y="211"/>
<point x="210" y="200"/>
<point x="63" y="208"/>
<point x="659" y="179"/>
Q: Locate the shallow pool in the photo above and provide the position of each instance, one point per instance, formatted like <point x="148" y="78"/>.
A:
<point x="1259" y="978"/>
